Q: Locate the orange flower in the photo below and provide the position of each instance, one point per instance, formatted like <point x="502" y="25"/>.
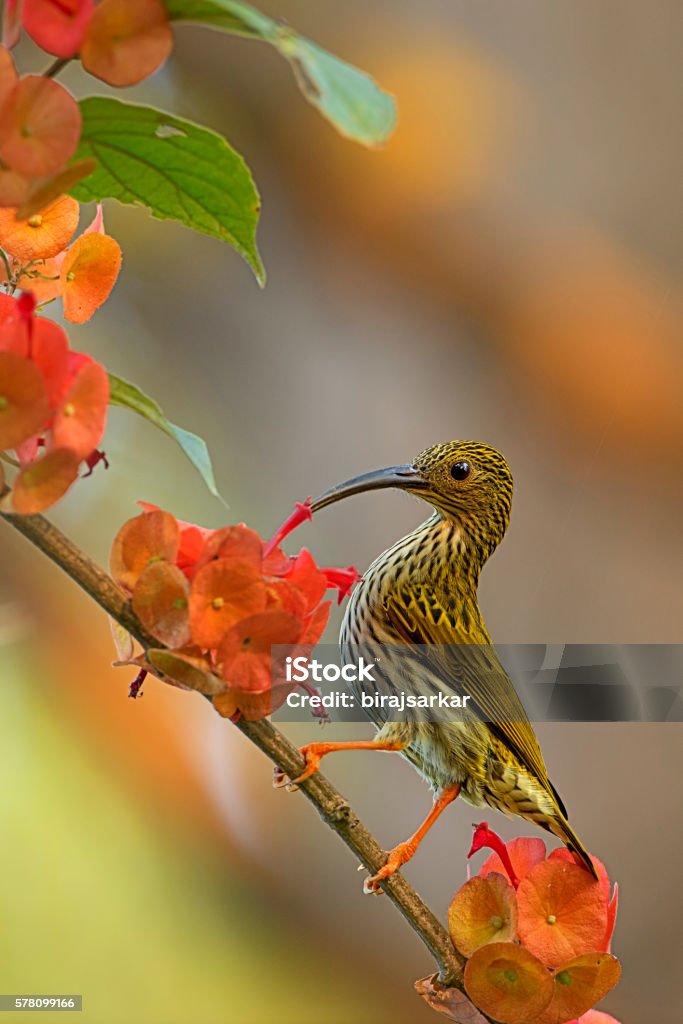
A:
<point x="126" y="42"/>
<point x="44" y="481"/>
<point x="79" y="421"/>
<point x="579" y="984"/>
<point x="88" y="274"/>
<point x="256" y="686"/>
<point x="84" y="274"/>
<point x="40" y="125"/>
<point x="41" y="236"/>
<point x="244" y="597"/>
<point x="562" y="912"/>
<point x="150" y="537"/>
<point x="508" y="983"/>
<point x="484" y="910"/>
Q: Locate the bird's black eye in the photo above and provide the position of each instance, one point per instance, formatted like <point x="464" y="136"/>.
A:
<point x="460" y="470"/>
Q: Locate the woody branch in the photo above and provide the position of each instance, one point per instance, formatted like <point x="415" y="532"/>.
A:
<point x="333" y="808"/>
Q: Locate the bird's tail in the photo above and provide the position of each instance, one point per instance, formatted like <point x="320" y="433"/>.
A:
<point x="563" y="830"/>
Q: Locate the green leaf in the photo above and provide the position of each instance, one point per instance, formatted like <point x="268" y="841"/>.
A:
<point x="177" y="169"/>
<point x="229" y="15"/>
<point x="346" y="96"/>
<point x="123" y="393"/>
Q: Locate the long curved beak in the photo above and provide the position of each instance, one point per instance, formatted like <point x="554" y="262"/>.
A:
<point x="405" y="478"/>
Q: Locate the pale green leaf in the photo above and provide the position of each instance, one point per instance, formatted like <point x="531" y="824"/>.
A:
<point x="123" y="393"/>
<point x="345" y="95"/>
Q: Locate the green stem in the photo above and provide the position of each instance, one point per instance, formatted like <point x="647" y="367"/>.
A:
<point x="333" y="808"/>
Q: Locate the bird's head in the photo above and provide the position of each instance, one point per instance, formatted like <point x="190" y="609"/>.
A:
<point x="465" y="481"/>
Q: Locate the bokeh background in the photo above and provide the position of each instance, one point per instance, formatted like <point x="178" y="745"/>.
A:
<point x="505" y="270"/>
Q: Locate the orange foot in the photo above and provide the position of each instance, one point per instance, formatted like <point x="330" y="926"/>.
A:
<point x="311" y="753"/>
<point x="402" y="853"/>
<point x="399" y="856"/>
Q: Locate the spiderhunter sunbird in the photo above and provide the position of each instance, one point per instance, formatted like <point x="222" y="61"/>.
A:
<point x="423" y="590"/>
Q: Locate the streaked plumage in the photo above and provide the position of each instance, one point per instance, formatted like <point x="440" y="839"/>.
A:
<point x="423" y="590"/>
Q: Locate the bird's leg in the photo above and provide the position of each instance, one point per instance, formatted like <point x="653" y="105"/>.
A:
<point x="404" y="851"/>
<point x="313" y="752"/>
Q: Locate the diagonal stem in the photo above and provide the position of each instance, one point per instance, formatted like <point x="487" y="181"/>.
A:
<point x="333" y="808"/>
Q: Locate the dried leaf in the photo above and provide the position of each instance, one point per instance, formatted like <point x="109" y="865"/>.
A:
<point x="123" y="641"/>
<point x="190" y="672"/>
<point x="451" y="1002"/>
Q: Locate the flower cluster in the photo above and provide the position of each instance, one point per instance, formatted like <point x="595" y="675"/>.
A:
<point x="53" y="406"/>
<point x="218" y="600"/>
<point x="117" y="41"/>
<point x="536" y="930"/>
<point x="36" y="255"/>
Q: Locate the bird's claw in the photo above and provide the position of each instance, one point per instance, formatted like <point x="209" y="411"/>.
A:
<point x="395" y="860"/>
<point x="283" y="781"/>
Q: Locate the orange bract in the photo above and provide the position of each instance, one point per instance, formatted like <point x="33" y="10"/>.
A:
<point x="232" y="542"/>
<point x="152" y="535"/>
<point x="612" y="903"/>
<point x="578" y="985"/>
<point x="160" y="600"/>
<point x="43" y="482"/>
<point x="256" y="681"/>
<point x="80" y="420"/>
<point x="562" y="912"/>
<point x="24" y="404"/>
<point x="484" y="910"/>
<point x="88" y="274"/>
<point x="222" y="593"/>
<point x="126" y="42"/>
<point x="42" y="235"/>
<point x="8" y="74"/>
<point x="50" y="353"/>
<point x="508" y="983"/>
<point x="40" y="126"/>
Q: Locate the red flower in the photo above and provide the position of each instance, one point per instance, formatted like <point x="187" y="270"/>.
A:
<point x="53" y="404"/>
<point x="57" y="25"/>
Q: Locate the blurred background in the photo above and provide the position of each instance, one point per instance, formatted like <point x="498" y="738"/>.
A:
<point x="506" y="269"/>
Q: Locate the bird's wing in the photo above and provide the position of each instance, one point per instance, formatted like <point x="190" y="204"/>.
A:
<point x="417" y="616"/>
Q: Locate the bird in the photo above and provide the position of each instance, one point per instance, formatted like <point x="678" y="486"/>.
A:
<point x="421" y="595"/>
